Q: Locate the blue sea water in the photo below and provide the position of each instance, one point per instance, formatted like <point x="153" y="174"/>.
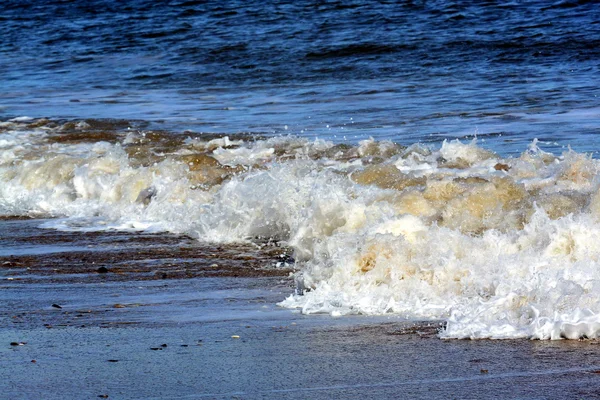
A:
<point x="410" y="71"/>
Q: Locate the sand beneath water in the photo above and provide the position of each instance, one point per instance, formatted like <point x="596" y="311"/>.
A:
<point x="172" y="319"/>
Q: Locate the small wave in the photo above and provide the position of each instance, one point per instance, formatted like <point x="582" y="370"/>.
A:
<point x="496" y="247"/>
<point x="353" y="50"/>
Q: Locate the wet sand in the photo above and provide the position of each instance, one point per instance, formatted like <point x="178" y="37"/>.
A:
<point x="171" y="318"/>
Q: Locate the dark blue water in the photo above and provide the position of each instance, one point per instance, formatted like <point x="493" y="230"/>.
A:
<point x="411" y="71"/>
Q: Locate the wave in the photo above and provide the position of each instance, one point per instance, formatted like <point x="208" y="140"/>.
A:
<point x="496" y="247"/>
<point x="355" y="50"/>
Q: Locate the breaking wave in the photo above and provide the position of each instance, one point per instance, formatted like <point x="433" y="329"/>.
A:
<point x="496" y="247"/>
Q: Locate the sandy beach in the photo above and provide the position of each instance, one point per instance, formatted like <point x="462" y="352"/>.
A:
<point x="135" y="333"/>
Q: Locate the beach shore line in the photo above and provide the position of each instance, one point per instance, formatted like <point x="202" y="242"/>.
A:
<point x="132" y="333"/>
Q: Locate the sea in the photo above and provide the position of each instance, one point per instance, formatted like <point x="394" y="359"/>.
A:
<point x="423" y="160"/>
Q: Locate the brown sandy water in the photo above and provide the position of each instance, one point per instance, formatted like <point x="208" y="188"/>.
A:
<point x="172" y="318"/>
<point x="84" y="257"/>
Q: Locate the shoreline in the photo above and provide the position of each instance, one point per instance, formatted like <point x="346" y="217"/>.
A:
<point x="275" y="353"/>
<point x="137" y="335"/>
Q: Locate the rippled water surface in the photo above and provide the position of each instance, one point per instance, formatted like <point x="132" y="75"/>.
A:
<point x="343" y="70"/>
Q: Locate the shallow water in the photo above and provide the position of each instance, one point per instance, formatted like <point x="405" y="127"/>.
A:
<point x="89" y="334"/>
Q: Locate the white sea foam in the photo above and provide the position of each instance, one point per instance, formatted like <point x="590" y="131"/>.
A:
<point x="498" y="248"/>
